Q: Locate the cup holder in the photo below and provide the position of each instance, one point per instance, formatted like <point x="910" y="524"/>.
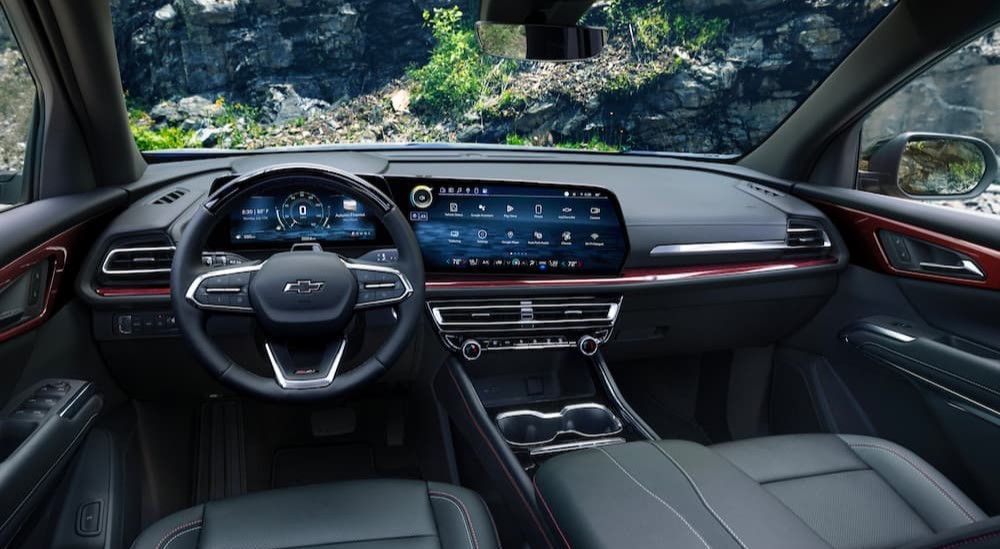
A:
<point x="531" y="428"/>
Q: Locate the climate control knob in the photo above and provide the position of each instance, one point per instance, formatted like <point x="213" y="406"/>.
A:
<point x="471" y="349"/>
<point x="588" y="345"/>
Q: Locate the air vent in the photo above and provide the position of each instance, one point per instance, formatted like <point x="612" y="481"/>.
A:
<point x="141" y="259"/>
<point x="806" y="235"/>
<point x="513" y="314"/>
<point x="171" y="196"/>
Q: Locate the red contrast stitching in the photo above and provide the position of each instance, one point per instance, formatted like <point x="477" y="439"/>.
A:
<point x="177" y="531"/>
<point x="465" y="511"/>
<point x="922" y="472"/>
<point x="496" y="456"/>
<point x="971" y="540"/>
<point x="549" y="511"/>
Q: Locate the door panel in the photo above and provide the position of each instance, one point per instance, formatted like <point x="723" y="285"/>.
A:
<point x="51" y="391"/>
<point x="913" y="333"/>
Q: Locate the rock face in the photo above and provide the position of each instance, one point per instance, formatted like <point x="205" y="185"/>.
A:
<point x="297" y="59"/>
<point x="239" y="48"/>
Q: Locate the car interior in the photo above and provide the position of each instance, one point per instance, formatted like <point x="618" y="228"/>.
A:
<point x="387" y="345"/>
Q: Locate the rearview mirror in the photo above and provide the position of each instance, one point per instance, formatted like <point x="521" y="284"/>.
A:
<point x="929" y="166"/>
<point x="540" y="42"/>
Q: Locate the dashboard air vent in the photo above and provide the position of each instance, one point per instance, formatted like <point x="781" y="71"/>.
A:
<point x="171" y="196"/>
<point x="526" y="314"/>
<point x="137" y="261"/>
<point x="806" y="235"/>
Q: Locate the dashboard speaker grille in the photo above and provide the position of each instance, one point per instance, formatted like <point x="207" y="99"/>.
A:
<point x="171" y="196"/>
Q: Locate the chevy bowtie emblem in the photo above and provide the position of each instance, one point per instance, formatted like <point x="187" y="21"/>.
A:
<point x="304" y="287"/>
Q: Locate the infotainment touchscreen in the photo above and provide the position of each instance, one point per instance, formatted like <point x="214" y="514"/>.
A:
<point x="508" y="228"/>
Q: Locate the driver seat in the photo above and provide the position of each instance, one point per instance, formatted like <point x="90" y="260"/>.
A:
<point x="369" y="514"/>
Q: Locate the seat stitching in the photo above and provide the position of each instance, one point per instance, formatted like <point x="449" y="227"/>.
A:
<point x="173" y="539"/>
<point x="656" y="497"/>
<point x="178" y="529"/>
<point x="976" y="539"/>
<point x="701" y="496"/>
<point x="541" y="497"/>
<point x="921" y="471"/>
<point x="517" y="489"/>
<point x="470" y="530"/>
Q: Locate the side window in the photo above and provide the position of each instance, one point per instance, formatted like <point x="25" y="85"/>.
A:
<point x="17" y="99"/>
<point x="960" y="97"/>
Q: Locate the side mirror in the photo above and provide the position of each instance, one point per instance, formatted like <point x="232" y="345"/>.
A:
<point x="540" y="42"/>
<point x="930" y="166"/>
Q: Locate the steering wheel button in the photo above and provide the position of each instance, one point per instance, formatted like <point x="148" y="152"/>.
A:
<point x="365" y="296"/>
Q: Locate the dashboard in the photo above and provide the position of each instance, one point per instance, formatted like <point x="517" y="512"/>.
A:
<point x="471" y="227"/>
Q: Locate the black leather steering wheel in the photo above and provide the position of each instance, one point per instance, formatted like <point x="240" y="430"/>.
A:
<point x="298" y="297"/>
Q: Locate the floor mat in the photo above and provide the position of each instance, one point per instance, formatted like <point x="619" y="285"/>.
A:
<point x="316" y="464"/>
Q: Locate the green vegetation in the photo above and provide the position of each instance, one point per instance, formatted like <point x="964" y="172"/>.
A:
<point x="457" y="75"/>
<point x="153" y="139"/>
<point x="593" y="144"/>
<point x="242" y="120"/>
<point x="653" y="26"/>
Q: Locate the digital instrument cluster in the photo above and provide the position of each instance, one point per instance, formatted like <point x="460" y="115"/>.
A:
<point x="507" y="228"/>
<point x="300" y="215"/>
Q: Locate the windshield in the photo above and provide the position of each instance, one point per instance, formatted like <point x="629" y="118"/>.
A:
<point x="680" y="76"/>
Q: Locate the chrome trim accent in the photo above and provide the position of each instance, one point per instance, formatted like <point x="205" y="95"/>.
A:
<point x="83" y="391"/>
<point x="407" y="287"/>
<point x="222" y="290"/>
<point x="610" y="317"/>
<point x="718" y="247"/>
<point x="968" y="268"/>
<point x="938" y="386"/>
<point x="193" y="288"/>
<point x="616" y="423"/>
<point x="295" y="384"/>
<point x="877" y="330"/>
<point x="116" y="251"/>
<point x="611" y="388"/>
<point x="578" y="445"/>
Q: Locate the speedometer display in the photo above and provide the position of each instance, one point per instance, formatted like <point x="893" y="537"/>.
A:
<point x="303" y="209"/>
<point x="300" y="214"/>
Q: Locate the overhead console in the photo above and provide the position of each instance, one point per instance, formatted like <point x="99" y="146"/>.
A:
<point x="472" y="227"/>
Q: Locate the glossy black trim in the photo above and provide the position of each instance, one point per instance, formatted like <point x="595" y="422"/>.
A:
<point x="266" y="176"/>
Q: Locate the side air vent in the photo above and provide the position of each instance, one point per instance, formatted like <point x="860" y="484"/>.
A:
<point x="138" y="261"/>
<point x="527" y="314"/>
<point x="171" y="196"/>
<point x="805" y="234"/>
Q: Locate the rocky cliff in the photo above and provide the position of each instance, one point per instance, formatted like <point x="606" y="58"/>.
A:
<point x="325" y="71"/>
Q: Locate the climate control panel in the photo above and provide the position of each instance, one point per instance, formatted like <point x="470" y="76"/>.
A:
<point x="472" y="328"/>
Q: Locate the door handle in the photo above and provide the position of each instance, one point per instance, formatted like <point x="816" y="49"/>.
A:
<point x="967" y="267"/>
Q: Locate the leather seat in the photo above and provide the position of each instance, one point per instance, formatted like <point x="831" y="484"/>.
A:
<point x="801" y="491"/>
<point x="373" y="514"/>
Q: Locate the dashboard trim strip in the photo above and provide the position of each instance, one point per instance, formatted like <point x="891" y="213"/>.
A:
<point x="638" y="276"/>
<point x="131" y="292"/>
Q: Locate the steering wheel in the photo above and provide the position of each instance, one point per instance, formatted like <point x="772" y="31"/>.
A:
<point x="298" y="297"/>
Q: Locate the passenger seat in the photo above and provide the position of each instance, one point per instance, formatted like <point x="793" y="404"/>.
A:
<point x="797" y="491"/>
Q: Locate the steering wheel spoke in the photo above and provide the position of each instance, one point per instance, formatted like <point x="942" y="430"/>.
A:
<point x="224" y="290"/>
<point x="379" y="285"/>
<point x="291" y="374"/>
